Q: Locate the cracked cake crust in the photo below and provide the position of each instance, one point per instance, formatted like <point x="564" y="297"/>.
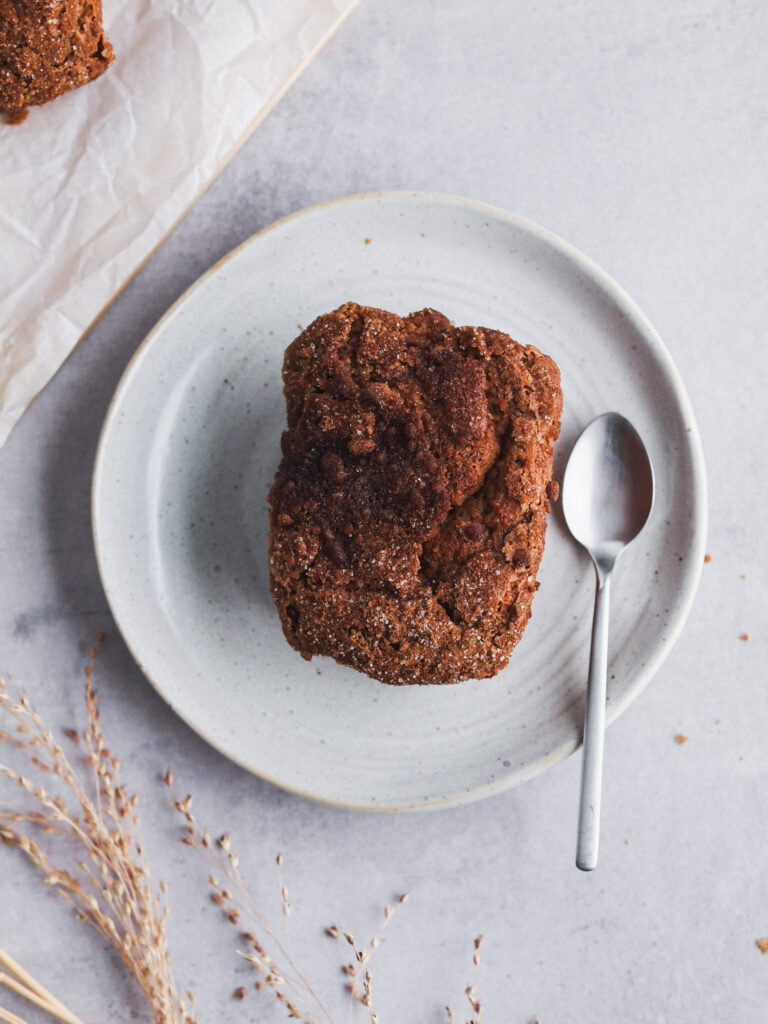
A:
<point x="409" y="510"/>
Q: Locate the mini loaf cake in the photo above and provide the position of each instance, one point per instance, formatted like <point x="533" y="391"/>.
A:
<point x="409" y="510"/>
<point x="48" y="47"/>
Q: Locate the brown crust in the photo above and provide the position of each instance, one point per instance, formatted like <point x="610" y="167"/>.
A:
<point x="409" y="510"/>
<point x="48" y="47"/>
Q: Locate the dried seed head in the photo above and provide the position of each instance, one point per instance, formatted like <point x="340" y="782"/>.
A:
<point x="109" y="887"/>
<point x="472" y="997"/>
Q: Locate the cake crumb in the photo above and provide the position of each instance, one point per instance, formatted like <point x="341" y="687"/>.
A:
<point x="240" y="993"/>
<point x="707" y="558"/>
<point x="681" y="738"/>
<point x="17" y="116"/>
<point x="368" y="241"/>
<point x="762" y="945"/>
<point x="743" y="636"/>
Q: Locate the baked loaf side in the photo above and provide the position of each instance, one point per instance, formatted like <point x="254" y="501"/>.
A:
<point x="48" y="47"/>
<point x="409" y="510"/>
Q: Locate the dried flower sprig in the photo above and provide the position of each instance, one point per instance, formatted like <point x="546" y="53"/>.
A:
<point x="264" y="951"/>
<point x="360" y="985"/>
<point x="471" y="990"/>
<point x="109" y="883"/>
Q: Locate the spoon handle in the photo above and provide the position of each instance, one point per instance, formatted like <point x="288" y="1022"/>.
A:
<point x="594" y="730"/>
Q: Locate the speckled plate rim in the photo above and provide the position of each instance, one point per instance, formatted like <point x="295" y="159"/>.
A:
<point x="699" y="509"/>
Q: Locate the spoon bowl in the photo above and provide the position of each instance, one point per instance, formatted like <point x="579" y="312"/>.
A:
<point x="608" y="491"/>
<point x="608" y="484"/>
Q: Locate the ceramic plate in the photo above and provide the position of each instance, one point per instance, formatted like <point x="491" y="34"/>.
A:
<point x="191" y="444"/>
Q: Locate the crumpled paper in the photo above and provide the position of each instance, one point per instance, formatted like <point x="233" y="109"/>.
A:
<point x="91" y="183"/>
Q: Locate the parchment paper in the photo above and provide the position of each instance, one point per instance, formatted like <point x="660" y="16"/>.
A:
<point x="90" y="183"/>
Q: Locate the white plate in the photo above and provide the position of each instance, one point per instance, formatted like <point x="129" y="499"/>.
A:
<point x="191" y="444"/>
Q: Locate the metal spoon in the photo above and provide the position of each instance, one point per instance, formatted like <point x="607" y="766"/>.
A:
<point x="607" y="498"/>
